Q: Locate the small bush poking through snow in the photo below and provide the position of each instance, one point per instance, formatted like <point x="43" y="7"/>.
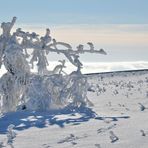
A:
<point x="1" y="144"/>
<point x="10" y="135"/>
<point x="113" y="137"/>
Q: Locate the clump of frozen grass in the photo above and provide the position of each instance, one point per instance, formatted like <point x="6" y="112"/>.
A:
<point x="98" y="145"/>
<point x="142" y="107"/>
<point x="1" y="144"/>
<point x="11" y="135"/>
<point x="143" y="133"/>
<point x="113" y="137"/>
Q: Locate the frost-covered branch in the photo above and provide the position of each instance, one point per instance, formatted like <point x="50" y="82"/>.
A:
<point x="20" y="88"/>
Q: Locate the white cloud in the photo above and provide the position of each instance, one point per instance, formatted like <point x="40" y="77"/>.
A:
<point x="94" y="67"/>
<point x="103" y="34"/>
<point x="114" y="66"/>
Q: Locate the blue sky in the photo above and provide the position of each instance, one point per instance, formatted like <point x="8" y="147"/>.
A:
<point x="76" y="11"/>
<point x="118" y="26"/>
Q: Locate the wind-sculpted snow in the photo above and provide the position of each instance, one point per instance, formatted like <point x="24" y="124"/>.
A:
<point x="45" y="90"/>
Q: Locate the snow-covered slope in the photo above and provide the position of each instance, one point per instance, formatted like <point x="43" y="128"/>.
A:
<point x="118" y="119"/>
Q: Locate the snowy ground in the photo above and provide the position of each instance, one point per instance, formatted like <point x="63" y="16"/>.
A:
<point x="120" y="107"/>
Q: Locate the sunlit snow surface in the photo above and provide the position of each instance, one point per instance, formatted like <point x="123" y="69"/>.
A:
<point x="120" y="107"/>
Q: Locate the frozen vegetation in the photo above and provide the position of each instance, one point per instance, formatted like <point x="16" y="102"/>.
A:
<point x="44" y="90"/>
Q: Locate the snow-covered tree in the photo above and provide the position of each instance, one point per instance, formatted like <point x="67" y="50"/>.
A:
<point x="44" y="90"/>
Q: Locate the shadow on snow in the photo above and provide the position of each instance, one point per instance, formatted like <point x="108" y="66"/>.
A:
<point x="72" y="115"/>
